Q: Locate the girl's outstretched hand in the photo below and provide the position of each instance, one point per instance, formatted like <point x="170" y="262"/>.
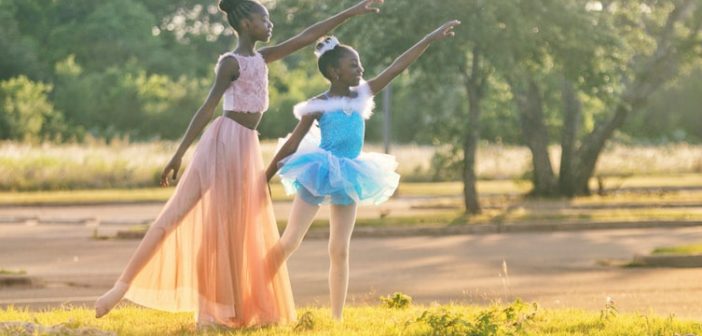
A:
<point x="365" y="7"/>
<point x="174" y="166"/>
<point x="444" y="31"/>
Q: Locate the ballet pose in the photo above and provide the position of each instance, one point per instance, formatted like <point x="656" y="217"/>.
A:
<point x="330" y="167"/>
<point x="207" y="251"/>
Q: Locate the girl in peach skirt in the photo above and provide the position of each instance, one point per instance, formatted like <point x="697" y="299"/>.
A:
<point x="209" y="250"/>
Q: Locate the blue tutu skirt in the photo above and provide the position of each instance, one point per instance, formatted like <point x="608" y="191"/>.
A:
<point x="321" y="177"/>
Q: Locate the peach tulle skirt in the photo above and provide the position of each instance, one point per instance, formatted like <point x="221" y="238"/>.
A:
<point x="217" y="258"/>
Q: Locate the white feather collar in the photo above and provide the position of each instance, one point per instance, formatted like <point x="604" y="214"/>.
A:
<point x="363" y="103"/>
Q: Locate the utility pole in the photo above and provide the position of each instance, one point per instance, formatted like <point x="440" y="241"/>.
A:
<point x="387" y="95"/>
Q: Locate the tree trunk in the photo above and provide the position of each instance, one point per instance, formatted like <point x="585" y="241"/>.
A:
<point x="535" y="133"/>
<point x="475" y="86"/>
<point x="592" y="147"/>
<point x="572" y="110"/>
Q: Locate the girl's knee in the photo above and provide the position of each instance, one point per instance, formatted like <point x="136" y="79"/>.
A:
<point x="339" y="251"/>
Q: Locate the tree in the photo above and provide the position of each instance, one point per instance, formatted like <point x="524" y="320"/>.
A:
<point x="673" y="30"/>
<point x="25" y="111"/>
<point x="614" y="53"/>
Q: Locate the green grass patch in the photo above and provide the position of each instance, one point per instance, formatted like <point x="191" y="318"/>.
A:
<point x="517" y="318"/>
<point x="671" y="180"/>
<point x="435" y="220"/>
<point x="12" y="272"/>
<point x="651" y="198"/>
<point x="452" y="217"/>
<point x="679" y="250"/>
<point x="409" y="189"/>
<point x="278" y="193"/>
<point x="85" y="196"/>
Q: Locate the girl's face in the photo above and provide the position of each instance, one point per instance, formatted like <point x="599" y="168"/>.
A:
<point x="350" y="70"/>
<point x="259" y="25"/>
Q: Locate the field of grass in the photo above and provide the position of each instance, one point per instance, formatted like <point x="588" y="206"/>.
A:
<point x="12" y="272"/>
<point x="162" y="194"/>
<point x="406" y="189"/>
<point x="393" y="317"/>
<point x="121" y="164"/>
<point x="679" y="250"/>
<point x="452" y="218"/>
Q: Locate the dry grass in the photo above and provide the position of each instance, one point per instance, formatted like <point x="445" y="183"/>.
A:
<point x="121" y="164"/>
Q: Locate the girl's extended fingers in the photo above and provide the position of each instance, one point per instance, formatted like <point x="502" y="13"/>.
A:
<point x="369" y="5"/>
<point x="452" y="24"/>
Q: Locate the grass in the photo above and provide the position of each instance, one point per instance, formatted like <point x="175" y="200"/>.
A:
<point x="119" y="164"/>
<point x="515" y="319"/>
<point x="408" y="189"/>
<point x="451" y="217"/>
<point x="85" y="196"/>
<point x="679" y="250"/>
<point x="435" y="220"/>
<point x="12" y="272"/>
<point x="278" y="194"/>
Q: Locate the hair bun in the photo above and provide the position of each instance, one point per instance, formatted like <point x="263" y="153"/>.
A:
<point x="325" y="44"/>
<point x="228" y="5"/>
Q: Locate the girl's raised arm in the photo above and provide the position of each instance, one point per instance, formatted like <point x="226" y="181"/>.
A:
<point x="317" y="30"/>
<point x="408" y="57"/>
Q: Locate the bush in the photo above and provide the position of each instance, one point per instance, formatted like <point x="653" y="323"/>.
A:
<point x="26" y="114"/>
<point x="396" y="301"/>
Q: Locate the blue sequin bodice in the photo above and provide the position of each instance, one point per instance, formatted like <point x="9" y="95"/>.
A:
<point x="342" y="133"/>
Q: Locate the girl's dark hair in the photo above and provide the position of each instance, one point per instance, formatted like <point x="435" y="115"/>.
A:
<point x="238" y="10"/>
<point x="331" y="57"/>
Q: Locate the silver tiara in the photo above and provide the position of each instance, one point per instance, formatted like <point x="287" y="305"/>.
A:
<point x="327" y="44"/>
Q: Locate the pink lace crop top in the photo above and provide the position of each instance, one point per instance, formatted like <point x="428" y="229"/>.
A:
<point x="249" y="92"/>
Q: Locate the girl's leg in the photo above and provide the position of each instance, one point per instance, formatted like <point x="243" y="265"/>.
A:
<point x="342" y="221"/>
<point x="177" y="207"/>
<point x="301" y="216"/>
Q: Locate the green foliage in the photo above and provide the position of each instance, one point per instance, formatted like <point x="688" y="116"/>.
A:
<point x="288" y="87"/>
<point x="673" y="114"/>
<point x="688" y="249"/>
<point x="306" y="322"/>
<point x="25" y="110"/>
<point x="511" y="320"/>
<point x="18" y="54"/>
<point x="142" y="68"/>
<point x="447" y="164"/>
<point x="363" y="321"/>
<point x="396" y="301"/>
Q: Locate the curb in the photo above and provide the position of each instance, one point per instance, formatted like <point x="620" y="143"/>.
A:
<point x="448" y="230"/>
<point x="509" y="228"/>
<point x="15" y="280"/>
<point x="681" y="261"/>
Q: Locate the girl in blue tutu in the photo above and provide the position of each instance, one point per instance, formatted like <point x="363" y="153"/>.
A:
<point x="325" y="164"/>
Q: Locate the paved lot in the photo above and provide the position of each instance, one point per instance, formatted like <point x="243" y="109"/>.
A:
<point x="558" y="269"/>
